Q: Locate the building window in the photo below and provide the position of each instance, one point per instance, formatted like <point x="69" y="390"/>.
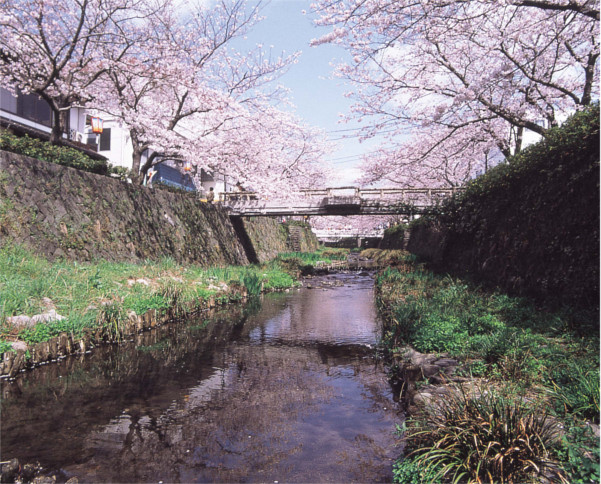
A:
<point x="27" y="106"/>
<point x="105" y="140"/>
<point x="8" y="101"/>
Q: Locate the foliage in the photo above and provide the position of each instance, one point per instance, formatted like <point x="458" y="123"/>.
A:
<point x="325" y="255"/>
<point x="485" y="435"/>
<point x="579" y="453"/>
<point x="389" y="257"/>
<point x="394" y="237"/>
<point x="576" y="388"/>
<point x="99" y="296"/>
<point x="119" y="172"/>
<point x="5" y="346"/>
<point x="508" y="337"/>
<point x="502" y="339"/>
<point x="42" y="150"/>
<point x="409" y="470"/>
<point x="303" y="263"/>
<point x="509" y="224"/>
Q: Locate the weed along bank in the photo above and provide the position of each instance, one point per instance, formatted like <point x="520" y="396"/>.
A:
<point x="491" y="322"/>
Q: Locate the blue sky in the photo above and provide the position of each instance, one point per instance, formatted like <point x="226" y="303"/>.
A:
<point x="318" y="97"/>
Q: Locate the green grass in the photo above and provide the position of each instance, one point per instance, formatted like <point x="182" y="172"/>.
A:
<point x="100" y="295"/>
<point x="549" y="356"/>
<point x="326" y="255"/>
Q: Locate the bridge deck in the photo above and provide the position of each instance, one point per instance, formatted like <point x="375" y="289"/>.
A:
<point x="340" y="201"/>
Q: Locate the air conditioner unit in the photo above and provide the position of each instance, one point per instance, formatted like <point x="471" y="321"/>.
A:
<point x="75" y="135"/>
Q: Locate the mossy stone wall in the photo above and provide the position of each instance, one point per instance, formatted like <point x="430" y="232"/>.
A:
<point x="530" y="226"/>
<point x="270" y="237"/>
<point x="61" y="212"/>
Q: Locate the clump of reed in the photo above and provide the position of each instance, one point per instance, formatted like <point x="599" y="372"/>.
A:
<point x="483" y="435"/>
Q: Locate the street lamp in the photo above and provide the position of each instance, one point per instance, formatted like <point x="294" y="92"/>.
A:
<point x="96" y="125"/>
<point x="187" y="165"/>
<point x="97" y="129"/>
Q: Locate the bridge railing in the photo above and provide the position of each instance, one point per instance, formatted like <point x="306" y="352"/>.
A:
<point x="347" y="233"/>
<point x="239" y="196"/>
<point x="381" y="192"/>
<point x="367" y="193"/>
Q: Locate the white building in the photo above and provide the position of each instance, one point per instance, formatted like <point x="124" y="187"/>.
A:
<point x="115" y="144"/>
<point x="29" y="114"/>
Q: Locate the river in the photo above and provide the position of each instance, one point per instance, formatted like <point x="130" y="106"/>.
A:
<point x="286" y="389"/>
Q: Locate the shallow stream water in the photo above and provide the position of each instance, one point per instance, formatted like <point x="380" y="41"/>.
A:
<point x="286" y="389"/>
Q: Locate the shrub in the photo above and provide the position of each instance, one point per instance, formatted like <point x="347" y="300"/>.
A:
<point x="45" y="151"/>
<point x="483" y="436"/>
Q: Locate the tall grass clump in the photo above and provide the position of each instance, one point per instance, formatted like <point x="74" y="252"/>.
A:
<point x="482" y="435"/>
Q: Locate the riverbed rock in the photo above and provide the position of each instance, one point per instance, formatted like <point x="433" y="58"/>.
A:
<point x="10" y="471"/>
<point x="21" y="321"/>
<point x="47" y="317"/>
<point x="29" y="473"/>
<point x="44" y="480"/>
<point x="48" y="303"/>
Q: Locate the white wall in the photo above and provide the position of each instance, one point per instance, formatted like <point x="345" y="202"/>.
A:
<point x="121" y="150"/>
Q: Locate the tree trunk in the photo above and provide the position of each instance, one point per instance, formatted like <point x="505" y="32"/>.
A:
<point x="138" y="150"/>
<point x="136" y="176"/>
<point x="519" y="138"/>
<point x="60" y="119"/>
<point x="57" y="133"/>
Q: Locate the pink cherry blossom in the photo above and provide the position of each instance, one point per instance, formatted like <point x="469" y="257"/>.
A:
<point x="453" y="86"/>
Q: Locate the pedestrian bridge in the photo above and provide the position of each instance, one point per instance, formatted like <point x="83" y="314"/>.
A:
<point x="337" y="235"/>
<point x="339" y="201"/>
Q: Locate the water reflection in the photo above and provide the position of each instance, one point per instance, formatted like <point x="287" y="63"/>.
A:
<point x="284" y="392"/>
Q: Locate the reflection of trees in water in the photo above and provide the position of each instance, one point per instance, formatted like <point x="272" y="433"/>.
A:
<point x="81" y="392"/>
<point x="238" y="422"/>
<point x="184" y="403"/>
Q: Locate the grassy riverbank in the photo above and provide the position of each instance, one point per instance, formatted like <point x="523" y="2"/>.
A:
<point x="536" y="376"/>
<point x="102" y="295"/>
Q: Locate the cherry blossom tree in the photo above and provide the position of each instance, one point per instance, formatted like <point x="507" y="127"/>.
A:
<point x="51" y="48"/>
<point x="454" y="85"/>
<point x="165" y="69"/>
<point x="185" y="94"/>
<point x="269" y="151"/>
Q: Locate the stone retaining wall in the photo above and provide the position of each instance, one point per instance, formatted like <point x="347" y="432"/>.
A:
<point x="61" y="212"/>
